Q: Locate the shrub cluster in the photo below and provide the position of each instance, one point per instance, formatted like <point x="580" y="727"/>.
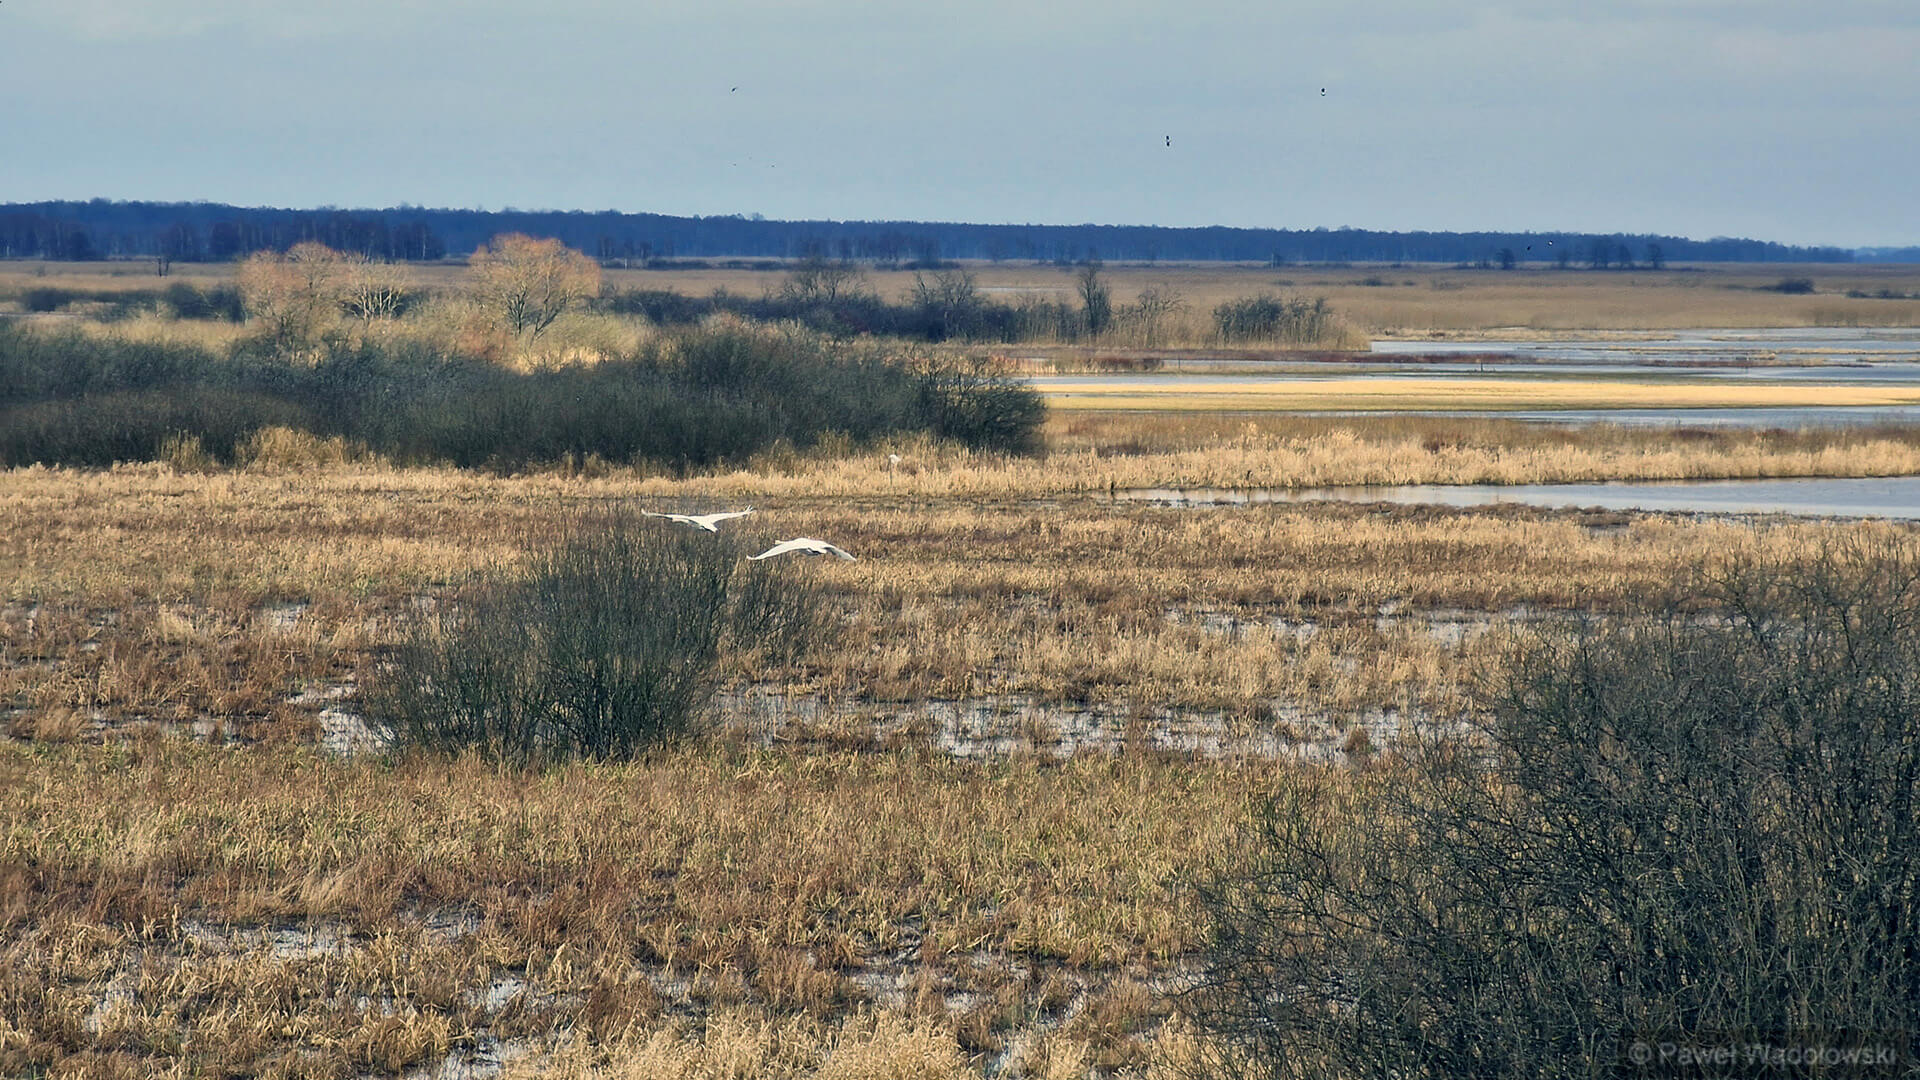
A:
<point x="185" y="301"/>
<point x="221" y="302"/>
<point x="690" y="399"/>
<point x="601" y="646"/>
<point x="947" y="307"/>
<point x="1266" y="317"/>
<point x="1683" y="827"/>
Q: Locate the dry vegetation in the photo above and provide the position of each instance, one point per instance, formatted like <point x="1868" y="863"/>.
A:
<point x="1380" y="301"/>
<point x="887" y="861"/>
<point x="266" y="908"/>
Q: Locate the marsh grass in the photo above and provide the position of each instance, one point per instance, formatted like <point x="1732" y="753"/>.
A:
<point x="602" y="643"/>
<point x="837" y="904"/>
<point x="1238" y="611"/>
<point x="301" y="906"/>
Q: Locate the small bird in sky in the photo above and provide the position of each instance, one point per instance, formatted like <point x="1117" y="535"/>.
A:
<point x="735" y="90"/>
<point x="1323" y="91"/>
<point x="1169" y="140"/>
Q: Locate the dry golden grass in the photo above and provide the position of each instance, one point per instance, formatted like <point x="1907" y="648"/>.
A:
<point x="277" y="912"/>
<point x="176" y="905"/>
<point x="143" y="594"/>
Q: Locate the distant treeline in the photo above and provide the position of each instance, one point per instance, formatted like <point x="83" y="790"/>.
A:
<point x="192" y="232"/>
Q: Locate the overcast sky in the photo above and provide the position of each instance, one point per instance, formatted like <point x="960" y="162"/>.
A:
<point x="1778" y="119"/>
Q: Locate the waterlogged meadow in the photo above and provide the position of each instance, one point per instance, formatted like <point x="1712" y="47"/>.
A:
<point x="990" y="825"/>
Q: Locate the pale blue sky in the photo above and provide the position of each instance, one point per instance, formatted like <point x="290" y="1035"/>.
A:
<point x="1786" y="121"/>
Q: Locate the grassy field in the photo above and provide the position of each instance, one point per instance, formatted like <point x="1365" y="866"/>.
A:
<point x="959" y="844"/>
<point x="1382" y="301"/>
<point x="821" y="877"/>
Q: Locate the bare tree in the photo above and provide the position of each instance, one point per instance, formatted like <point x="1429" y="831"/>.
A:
<point x="817" y="280"/>
<point x="1147" y="316"/>
<point x="292" y="296"/>
<point x="951" y="300"/>
<point x="530" y="282"/>
<point x="372" y="288"/>
<point x="1095" y="297"/>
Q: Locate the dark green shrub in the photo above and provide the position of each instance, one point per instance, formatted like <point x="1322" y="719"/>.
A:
<point x="601" y="646"/>
<point x="970" y="404"/>
<point x="222" y="302"/>
<point x="136" y="425"/>
<point x="663" y="306"/>
<point x="46" y="298"/>
<point x="1678" y="826"/>
<point x="36" y="365"/>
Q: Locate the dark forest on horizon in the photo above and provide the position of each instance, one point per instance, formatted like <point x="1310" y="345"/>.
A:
<point x="213" y="232"/>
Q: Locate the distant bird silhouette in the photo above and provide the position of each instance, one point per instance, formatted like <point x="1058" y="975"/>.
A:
<point x="1169" y="140"/>
<point x="804" y="545"/>
<point x="708" y="522"/>
<point x="735" y="90"/>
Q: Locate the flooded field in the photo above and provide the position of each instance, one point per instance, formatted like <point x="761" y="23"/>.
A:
<point x="1735" y="346"/>
<point x="1721" y="378"/>
<point x="1894" y="497"/>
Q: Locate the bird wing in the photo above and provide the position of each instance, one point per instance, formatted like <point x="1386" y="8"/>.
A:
<point x="781" y="548"/>
<point x="803" y="543"/>
<point x="682" y="518"/>
<point x="729" y="515"/>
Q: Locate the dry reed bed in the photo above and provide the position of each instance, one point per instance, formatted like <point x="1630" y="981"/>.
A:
<point x="279" y="912"/>
<point x="1343" y="456"/>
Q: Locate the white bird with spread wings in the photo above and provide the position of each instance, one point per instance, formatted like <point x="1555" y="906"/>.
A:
<point x="804" y="545"/>
<point x="708" y="522"/>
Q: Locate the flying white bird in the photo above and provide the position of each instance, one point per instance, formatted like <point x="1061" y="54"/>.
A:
<point x="709" y="522"/>
<point x="804" y="545"/>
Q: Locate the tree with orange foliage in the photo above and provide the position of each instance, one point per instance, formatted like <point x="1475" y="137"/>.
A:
<point x="529" y="282"/>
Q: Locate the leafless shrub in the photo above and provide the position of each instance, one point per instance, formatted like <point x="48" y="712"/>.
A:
<point x="601" y="646"/>
<point x="1695" y="823"/>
